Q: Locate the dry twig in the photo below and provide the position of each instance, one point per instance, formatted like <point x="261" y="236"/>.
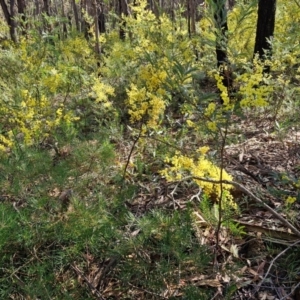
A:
<point x="90" y="285"/>
<point x="256" y="199"/>
<point x="271" y="264"/>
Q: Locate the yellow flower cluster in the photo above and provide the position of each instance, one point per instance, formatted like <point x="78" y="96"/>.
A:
<point x="146" y="93"/>
<point x="53" y="80"/>
<point x="290" y="200"/>
<point x="212" y="126"/>
<point x="145" y="70"/>
<point x="5" y="143"/>
<point x="102" y="91"/>
<point x="142" y="104"/>
<point x="214" y="114"/>
<point x="153" y="78"/>
<point x="33" y="119"/>
<point x="224" y="91"/>
<point x="38" y="101"/>
<point x="74" y="49"/>
<point x="211" y="108"/>
<point x="253" y="87"/>
<point x="202" y="167"/>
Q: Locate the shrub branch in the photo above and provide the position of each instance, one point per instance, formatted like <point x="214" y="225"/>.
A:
<point x="246" y="191"/>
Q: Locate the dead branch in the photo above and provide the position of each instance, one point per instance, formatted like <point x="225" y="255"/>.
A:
<point x="272" y="262"/>
<point x="89" y="284"/>
<point x="246" y="191"/>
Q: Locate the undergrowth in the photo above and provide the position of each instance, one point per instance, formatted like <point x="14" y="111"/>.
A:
<point x="89" y="154"/>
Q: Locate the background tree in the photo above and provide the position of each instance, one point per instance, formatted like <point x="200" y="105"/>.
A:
<point x="191" y="16"/>
<point x="220" y="17"/>
<point x="46" y="7"/>
<point x="123" y="10"/>
<point x="265" y="27"/>
<point x="9" y="17"/>
<point x="101" y="18"/>
<point x="22" y="13"/>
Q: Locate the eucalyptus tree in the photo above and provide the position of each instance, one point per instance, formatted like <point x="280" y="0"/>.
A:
<point x="265" y="28"/>
<point x="9" y="15"/>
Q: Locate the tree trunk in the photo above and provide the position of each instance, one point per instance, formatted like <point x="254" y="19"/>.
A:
<point x="220" y="17"/>
<point x="36" y="11"/>
<point x="123" y="10"/>
<point x="9" y="17"/>
<point x="64" y="23"/>
<point x="101" y="18"/>
<point x="86" y="8"/>
<point x="265" y="27"/>
<point x="21" y="11"/>
<point x="13" y="27"/>
<point x="46" y="7"/>
<point x="231" y="4"/>
<point x="5" y="11"/>
<point x="191" y="17"/>
<point x="97" y="46"/>
<point x="154" y="7"/>
<point x="75" y="10"/>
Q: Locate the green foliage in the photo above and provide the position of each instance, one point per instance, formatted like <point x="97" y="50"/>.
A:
<point x="39" y="79"/>
<point x="66" y="125"/>
<point x="39" y="245"/>
<point x="164" y="247"/>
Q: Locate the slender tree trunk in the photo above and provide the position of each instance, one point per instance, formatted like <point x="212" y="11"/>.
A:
<point x="37" y="14"/>
<point x="220" y="16"/>
<point x="265" y="27"/>
<point x="47" y="7"/>
<point x="46" y="11"/>
<point x="64" y="25"/>
<point x="188" y="12"/>
<point x="21" y="11"/>
<point x="231" y="4"/>
<point x="157" y="8"/>
<point x="74" y="6"/>
<point x="86" y="8"/>
<point x="98" y="49"/>
<point x="84" y="25"/>
<point x="101" y="18"/>
<point x="161" y="4"/>
<point x="150" y="5"/>
<point x="172" y="14"/>
<point x="123" y="10"/>
<point x="9" y="17"/>
<point x="36" y="11"/>
<point x="13" y="27"/>
<point x="5" y="11"/>
<point x="193" y="17"/>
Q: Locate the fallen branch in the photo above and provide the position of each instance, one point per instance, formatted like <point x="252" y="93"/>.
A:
<point x="147" y="291"/>
<point x="246" y="191"/>
<point x="271" y="235"/>
<point x="272" y="263"/>
<point x="294" y="289"/>
<point x="89" y="284"/>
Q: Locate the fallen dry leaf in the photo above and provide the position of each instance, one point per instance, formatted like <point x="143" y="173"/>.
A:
<point x="234" y="250"/>
<point x="209" y="282"/>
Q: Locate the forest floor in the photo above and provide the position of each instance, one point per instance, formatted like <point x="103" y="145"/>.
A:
<point x="258" y="159"/>
<point x="96" y="238"/>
